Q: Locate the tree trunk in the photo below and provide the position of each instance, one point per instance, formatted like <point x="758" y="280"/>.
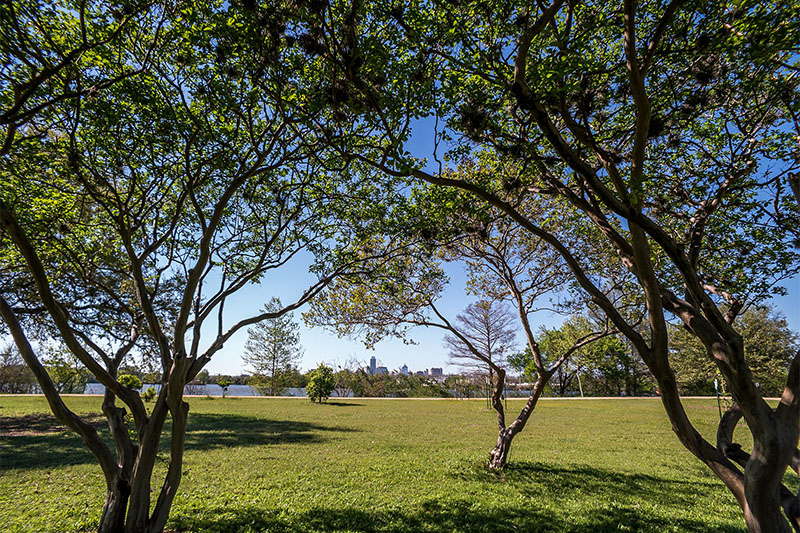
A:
<point x="139" y="508"/>
<point x="763" y="495"/>
<point x="180" y="411"/>
<point x="115" y="508"/>
<point x="499" y="455"/>
<point x="763" y="513"/>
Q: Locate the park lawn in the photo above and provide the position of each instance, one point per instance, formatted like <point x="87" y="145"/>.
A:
<point x="256" y="464"/>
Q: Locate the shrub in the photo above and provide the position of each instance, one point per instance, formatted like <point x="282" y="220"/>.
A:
<point x="149" y="394"/>
<point x="320" y="384"/>
<point x="130" y="381"/>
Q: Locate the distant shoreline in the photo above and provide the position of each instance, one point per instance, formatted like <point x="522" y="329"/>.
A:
<point x="339" y="398"/>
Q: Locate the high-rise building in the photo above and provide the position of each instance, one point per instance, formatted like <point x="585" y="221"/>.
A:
<point x="373" y="363"/>
<point x="437" y="373"/>
<point x="404" y="370"/>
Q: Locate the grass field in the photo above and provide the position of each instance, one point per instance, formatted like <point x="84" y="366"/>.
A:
<point x="384" y="465"/>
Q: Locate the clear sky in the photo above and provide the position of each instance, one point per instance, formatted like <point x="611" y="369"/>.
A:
<point x="323" y="346"/>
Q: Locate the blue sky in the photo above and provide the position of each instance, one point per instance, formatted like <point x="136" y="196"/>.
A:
<point x="322" y="346"/>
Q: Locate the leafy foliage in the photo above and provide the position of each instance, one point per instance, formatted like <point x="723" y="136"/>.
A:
<point x="15" y="376"/>
<point x="769" y="346"/>
<point x="129" y="380"/>
<point x="149" y="394"/>
<point x="273" y="350"/>
<point x="320" y="384"/>
<point x="67" y="372"/>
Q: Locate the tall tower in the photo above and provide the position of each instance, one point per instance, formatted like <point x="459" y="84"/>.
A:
<point x="372" y="365"/>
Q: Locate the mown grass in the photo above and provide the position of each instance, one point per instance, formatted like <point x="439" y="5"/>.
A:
<point x="256" y="464"/>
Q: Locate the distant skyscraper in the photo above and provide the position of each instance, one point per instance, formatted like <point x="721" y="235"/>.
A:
<point x="436" y="373"/>
<point x="404" y="370"/>
<point x="373" y="363"/>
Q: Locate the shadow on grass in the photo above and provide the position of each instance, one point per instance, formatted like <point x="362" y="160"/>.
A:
<point x="343" y="404"/>
<point x="620" y="496"/>
<point x="41" y="442"/>
<point x="432" y="516"/>
<point x="208" y="431"/>
<point x="583" y="478"/>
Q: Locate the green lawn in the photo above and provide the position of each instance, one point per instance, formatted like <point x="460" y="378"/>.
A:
<point x="384" y="465"/>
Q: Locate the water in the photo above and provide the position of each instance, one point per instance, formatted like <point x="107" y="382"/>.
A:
<point x="202" y="390"/>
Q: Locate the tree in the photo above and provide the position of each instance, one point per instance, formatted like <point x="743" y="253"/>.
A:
<point x="667" y="150"/>
<point x="224" y="383"/>
<point x="347" y="377"/>
<point x="489" y="327"/>
<point x="131" y="215"/>
<point x="15" y="376"/>
<point x="607" y="367"/>
<point x="273" y="350"/>
<point x="149" y="394"/>
<point x="67" y="373"/>
<point x="502" y="264"/>
<point x="769" y="346"/>
<point x="130" y="380"/>
<point x="320" y="384"/>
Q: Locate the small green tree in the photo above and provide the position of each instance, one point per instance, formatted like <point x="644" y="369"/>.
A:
<point x="130" y="381"/>
<point x="68" y="374"/>
<point x="224" y="383"/>
<point x="149" y="394"/>
<point x="321" y="383"/>
<point x="272" y="349"/>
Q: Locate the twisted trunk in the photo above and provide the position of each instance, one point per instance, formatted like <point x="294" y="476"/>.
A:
<point x="116" y="505"/>
<point x="498" y="458"/>
<point x="119" y="488"/>
<point x="762" y="515"/>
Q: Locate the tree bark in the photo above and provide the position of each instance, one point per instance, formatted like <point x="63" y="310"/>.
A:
<point x="115" y="508"/>
<point x="759" y="520"/>
<point x="180" y="411"/>
<point x="498" y="458"/>
<point x="149" y="438"/>
<point x="119" y="488"/>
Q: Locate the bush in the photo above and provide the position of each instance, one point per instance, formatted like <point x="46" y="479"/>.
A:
<point x="130" y="381"/>
<point x="224" y="383"/>
<point x="320" y="384"/>
<point x="149" y="395"/>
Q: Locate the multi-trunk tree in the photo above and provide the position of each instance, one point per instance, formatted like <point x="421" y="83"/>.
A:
<point x="669" y="126"/>
<point x="135" y="212"/>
